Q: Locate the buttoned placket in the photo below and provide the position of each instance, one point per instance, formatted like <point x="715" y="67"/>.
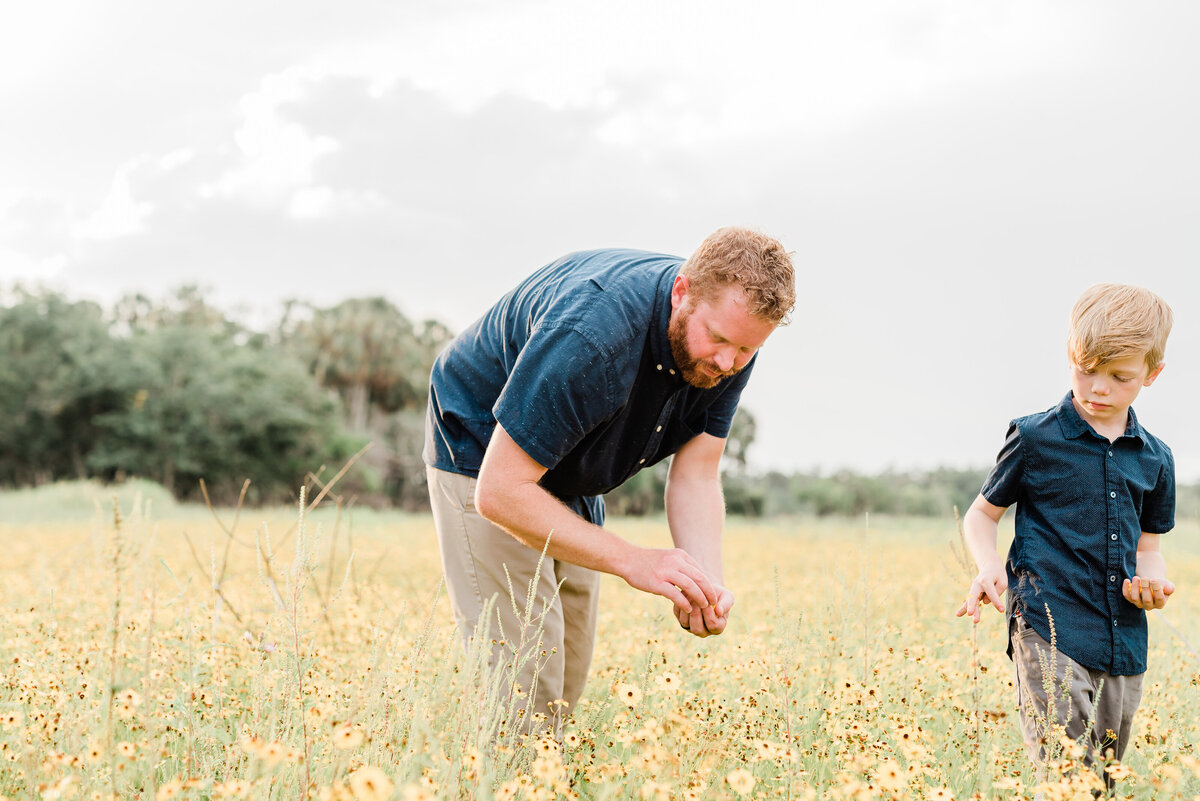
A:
<point x="664" y="417"/>
<point x="1112" y="483"/>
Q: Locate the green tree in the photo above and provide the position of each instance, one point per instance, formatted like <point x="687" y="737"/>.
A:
<point x="377" y="361"/>
<point x="54" y="382"/>
<point x="368" y="351"/>
<point x="199" y="405"/>
<point x="741" y="437"/>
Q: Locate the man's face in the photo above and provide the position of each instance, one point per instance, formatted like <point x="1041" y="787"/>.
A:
<point x="712" y="339"/>
<point x="1104" y="394"/>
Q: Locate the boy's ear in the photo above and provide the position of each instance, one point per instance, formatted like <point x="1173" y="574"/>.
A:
<point x="1154" y="374"/>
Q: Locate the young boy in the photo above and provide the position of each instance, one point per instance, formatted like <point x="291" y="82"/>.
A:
<point x="1094" y="491"/>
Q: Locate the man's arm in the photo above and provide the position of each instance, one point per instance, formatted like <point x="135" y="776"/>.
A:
<point x="696" y="515"/>
<point x="1149" y="589"/>
<point x="508" y="494"/>
<point x="980" y="524"/>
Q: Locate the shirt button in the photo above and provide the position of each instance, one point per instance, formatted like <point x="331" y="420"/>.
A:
<point x="672" y="372"/>
<point x="642" y="461"/>
<point x="1112" y="494"/>
<point x="657" y="429"/>
<point x="1111" y="536"/>
<point x="1112" y="578"/>
<point x="1110" y="453"/>
<point x="660" y="367"/>
<point x="1114" y="622"/>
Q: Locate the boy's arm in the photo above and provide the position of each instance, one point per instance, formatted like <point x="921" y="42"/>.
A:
<point x="979" y="531"/>
<point x="1150" y="588"/>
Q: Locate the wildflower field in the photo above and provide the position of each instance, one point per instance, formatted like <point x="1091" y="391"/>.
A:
<point x="155" y="651"/>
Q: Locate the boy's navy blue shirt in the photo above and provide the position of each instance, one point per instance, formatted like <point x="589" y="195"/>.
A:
<point x="1082" y="504"/>
<point x="576" y="365"/>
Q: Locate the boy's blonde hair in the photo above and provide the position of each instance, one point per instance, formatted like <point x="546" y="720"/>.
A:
<point x="1115" y="321"/>
<point x="750" y="259"/>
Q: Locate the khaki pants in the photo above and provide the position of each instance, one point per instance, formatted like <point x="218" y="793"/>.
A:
<point x="1078" y="696"/>
<point x="475" y="556"/>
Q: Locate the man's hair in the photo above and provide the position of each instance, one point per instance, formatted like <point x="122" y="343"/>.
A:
<point x="1115" y="321"/>
<point x="748" y="259"/>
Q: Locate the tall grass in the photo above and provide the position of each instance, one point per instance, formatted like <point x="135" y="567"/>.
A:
<point x="170" y="655"/>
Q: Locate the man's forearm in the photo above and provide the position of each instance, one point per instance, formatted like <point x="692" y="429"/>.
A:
<point x="530" y="513"/>
<point x="696" y="516"/>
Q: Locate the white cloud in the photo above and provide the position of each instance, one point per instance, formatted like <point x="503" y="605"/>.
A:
<point x="688" y="72"/>
<point x="19" y="266"/>
<point x="176" y="158"/>
<point x="120" y="214"/>
<point x="277" y="155"/>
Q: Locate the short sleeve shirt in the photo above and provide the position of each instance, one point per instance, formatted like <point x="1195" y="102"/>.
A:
<point x="1082" y="504"/>
<point x="576" y="364"/>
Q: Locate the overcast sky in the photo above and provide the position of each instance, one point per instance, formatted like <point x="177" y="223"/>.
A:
<point x="950" y="175"/>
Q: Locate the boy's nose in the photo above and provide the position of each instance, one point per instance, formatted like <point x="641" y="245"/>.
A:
<point x="1100" y="387"/>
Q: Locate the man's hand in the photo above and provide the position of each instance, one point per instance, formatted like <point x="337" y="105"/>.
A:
<point x="711" y="620"/>
<point x="987" y="588"/>
<point x="673" y="574"/>
<point x="1147" y="593"/>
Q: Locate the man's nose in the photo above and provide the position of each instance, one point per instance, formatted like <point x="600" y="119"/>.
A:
<point x="724" y="358"/>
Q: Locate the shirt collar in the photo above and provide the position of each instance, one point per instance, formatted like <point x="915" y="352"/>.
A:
<point x="1074" y="426"/>
<point x="660" y="344"/>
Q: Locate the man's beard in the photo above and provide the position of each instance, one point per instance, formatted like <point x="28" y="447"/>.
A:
<point x="689" y="366"/>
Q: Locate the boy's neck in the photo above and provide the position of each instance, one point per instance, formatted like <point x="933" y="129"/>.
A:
<point x="1111" y="430"/>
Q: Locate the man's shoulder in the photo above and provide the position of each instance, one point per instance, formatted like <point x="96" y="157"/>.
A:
<point x="613" y="269"/>
<point x="606" y="295"/>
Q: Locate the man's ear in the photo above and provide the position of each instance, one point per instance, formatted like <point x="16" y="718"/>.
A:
<point x="1154" y="374"/>
<point x="679" y="292"/>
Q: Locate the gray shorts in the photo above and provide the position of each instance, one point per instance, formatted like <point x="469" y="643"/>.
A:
<point x="1059" y="696"/>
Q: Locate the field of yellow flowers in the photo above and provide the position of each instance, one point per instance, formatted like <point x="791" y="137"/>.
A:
<point x="170" y="653"/>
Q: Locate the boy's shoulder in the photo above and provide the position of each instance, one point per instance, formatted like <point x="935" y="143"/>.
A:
<point x="1057" y="422"/>
<point x="1152" y="443"/>
<point x="1061" y="422"/>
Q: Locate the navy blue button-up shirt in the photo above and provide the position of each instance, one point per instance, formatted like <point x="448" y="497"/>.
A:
<point x="1082" y="503"/>
<point x="576" y="365"/>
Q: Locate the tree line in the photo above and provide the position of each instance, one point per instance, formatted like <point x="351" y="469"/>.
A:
<point x="177" y="391"/>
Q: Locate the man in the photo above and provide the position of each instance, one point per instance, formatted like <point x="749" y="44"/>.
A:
<point x="596" y="366"/>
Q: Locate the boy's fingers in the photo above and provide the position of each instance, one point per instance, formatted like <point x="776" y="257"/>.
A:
<point x="1147" y="587"/>
<point x="1127" y="591"/>
<point x="973" y="596"/>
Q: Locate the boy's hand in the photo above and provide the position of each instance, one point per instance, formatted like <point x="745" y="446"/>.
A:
<point x="988" y="587"/>
<point x="1147" y="593"/>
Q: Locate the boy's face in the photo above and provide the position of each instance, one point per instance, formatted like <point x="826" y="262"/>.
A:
<point x="1104" y="395"/>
